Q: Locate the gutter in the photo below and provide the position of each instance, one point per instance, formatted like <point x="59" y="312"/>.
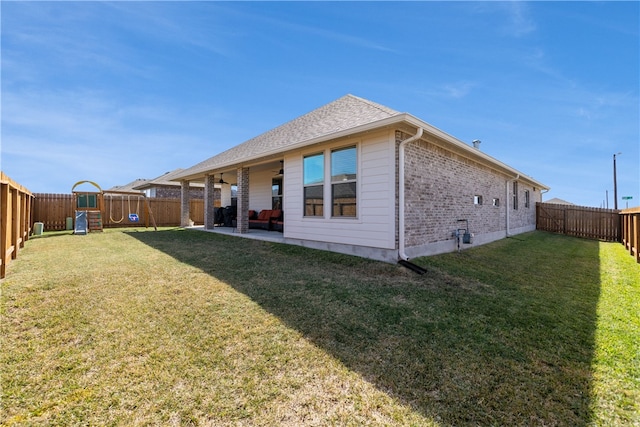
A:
<point x="401" y="247"/>
<point x="543" y="191"/>
<point x="506" y="186"/>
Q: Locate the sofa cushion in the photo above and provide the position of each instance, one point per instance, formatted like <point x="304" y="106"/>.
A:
<point x="264" y="215"/>
<point x="276" y="213"/>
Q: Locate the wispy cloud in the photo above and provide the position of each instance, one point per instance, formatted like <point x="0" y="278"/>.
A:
<point x="536" y="59"/>
<point x="170" y="22"/>
<point x="458" y="89"/>
<point x="53" y="45"/>
<point x="322" y="32"/>
<point x="600" y="104"/>
<point x="515" y="19"/>
<point x="519" y="21"/>
<point x="448" y="91"/>
<point x="52" y="138"/>
<point x="343" y="38"/>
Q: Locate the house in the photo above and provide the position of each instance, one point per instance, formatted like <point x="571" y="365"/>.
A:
<point x="357" y="177"/>
<point x="129" y="187"/>
<point x="557" y="201"/>
<point x="162" y="187"/>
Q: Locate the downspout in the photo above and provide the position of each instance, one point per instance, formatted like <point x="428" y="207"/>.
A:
<point x="507" y="183"/>
<point x="415" y="137"/>
<point x="543" y="192"/>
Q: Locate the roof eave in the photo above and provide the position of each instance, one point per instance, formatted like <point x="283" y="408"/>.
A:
<point x="466" y="149"/>
<point x="198" y="174"/>
<point x="474" y="153"/>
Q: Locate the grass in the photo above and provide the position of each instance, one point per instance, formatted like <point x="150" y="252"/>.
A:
<point x="182" y="327"/>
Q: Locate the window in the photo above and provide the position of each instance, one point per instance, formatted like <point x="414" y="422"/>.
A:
<point x="526" y="198"/>
<point x="234" y="195"/>
<point x="276" y="193"/>
<point x="477" y="200"/>
<point x="313" y="181"/>
<point x="496" y="202"/>
<point x="343" y="182"/>
<point x="87" y="201"/>
<point x="515" y="195"/>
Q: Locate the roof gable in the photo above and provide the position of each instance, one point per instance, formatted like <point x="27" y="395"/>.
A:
<point x="342" y="114"/>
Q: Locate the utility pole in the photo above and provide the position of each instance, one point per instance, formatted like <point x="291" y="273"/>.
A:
<point x="615" y="184"/>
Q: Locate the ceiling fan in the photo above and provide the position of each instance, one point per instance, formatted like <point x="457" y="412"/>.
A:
<point x="281" y="171"/>
<point x="222" y="181"/>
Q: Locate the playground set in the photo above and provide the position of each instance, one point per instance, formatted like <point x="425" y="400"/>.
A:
<point x="90" y="208"/>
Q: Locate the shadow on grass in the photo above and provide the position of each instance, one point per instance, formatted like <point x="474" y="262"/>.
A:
<point x="49" y="234"/>
<point x="498" y="335"/>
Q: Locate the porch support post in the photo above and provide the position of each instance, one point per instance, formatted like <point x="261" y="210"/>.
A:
<point x="242" y="218"/>
<point x="185" y="203"/>
<point x="209" y="197"/>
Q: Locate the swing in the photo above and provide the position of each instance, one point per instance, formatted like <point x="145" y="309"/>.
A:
<point x="111" y="210"/>
<point x="133" y="217"/>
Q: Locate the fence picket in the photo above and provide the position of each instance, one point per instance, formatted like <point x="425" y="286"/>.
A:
<point x="579" y="221"/>
<point x="631" y="231"/>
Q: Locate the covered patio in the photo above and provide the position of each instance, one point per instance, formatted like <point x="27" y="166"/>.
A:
<point x="255" y="234"/>
<point x="258" y="186"/>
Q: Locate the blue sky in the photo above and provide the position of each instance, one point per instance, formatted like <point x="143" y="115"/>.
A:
<point x="111" y="92"/>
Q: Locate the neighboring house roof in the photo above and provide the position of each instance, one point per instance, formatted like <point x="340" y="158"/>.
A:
<point x="343" y="117"/>
<point x="131" y="187"/>
<point x="557" y="201"/>
<point x="164" y="180"/>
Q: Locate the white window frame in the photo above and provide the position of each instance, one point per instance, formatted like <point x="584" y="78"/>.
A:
<point x="346" y="181"/>
<point x="320" y="184"/>
<point x="327" y="184"/>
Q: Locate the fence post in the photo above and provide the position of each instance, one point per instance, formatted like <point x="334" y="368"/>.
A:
<point x="14" y="220"/>
<point x="636" y="237"/>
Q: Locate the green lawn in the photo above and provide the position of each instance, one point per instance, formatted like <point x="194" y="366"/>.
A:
<point x="180" y="327"/>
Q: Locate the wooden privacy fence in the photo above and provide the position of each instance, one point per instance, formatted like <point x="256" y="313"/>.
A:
<point x="579" y="221"/>
<point x="54" y="209"/>
<point x="15" y="220"/>
<point x="631" y="231"/>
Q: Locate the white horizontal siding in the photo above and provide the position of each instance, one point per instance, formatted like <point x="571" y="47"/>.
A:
<point x="375" y="224"/>
<point x="260" y="188"/>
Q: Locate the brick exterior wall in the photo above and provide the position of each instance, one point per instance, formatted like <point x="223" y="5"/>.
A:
<point x="185" y="205"/>
<point x="243" y="200"/>
<point x="209" y="201"/>
<point x="174" y="192"/>
<point x="439" y="190"/>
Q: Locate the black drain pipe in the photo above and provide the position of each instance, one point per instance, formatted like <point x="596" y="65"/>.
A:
<point x="412" y="266"/>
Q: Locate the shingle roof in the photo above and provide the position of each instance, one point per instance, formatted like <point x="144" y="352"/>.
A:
<point x="164" y="179"/>
<point x="130" y="186"/>
<point x="557" y="201"/>
<point x="342" y="114"/>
